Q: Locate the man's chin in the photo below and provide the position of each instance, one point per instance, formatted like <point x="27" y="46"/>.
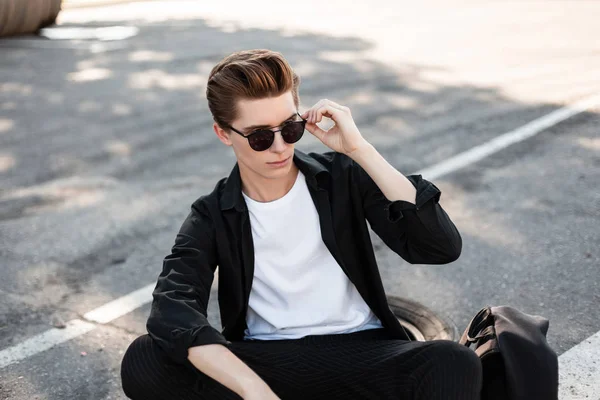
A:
<point x="277" y="173"/>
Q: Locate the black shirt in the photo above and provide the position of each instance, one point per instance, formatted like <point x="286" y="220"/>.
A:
<point x="217" y="232"/>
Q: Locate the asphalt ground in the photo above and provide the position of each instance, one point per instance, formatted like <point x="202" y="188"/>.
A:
<point x="104" y="146"/>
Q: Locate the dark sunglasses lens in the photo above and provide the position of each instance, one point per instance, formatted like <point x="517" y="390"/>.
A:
<point x="261" y="140"/>
<point x="293" y="131"/>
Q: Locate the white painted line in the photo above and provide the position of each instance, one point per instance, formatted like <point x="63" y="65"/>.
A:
<point x="103" y="314"/>
<point x="44" y="341"/>
<point x="498" y="143"/>
<point x="123" y="305"/>
<point x="579" y="371"/>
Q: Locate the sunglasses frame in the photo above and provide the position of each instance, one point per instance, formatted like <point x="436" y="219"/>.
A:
<point x="257" y="131"/>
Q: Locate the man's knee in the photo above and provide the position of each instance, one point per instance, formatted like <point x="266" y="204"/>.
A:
<point x="148" y="373"/>
<point x="131" y="376"/>
<point x="140" y="369"/>
<point x="456" y="357"/>
<point x="450" y="371"/>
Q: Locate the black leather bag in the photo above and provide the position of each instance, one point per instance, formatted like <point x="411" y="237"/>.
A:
<point x="518" y="363"/>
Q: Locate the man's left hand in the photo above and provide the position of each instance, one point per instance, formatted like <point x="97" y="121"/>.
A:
<point x="344" y="136"/>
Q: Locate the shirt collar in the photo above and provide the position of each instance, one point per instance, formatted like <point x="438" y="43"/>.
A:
<point x="232" y="192"/>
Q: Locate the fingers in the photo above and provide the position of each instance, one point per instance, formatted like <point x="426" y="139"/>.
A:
<point x="316" y="131"/>
<point x="326" y="110"/>
<point x="323" y="107"/>
<point x="311" y="112"/>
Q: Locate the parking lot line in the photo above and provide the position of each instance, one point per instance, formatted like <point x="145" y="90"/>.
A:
<point x="579" y="370"/>
<point x="77" y="327"/>
<point x="44" y="341"/>
<point x="498" y="143"/>
<point x="121" y="306"/>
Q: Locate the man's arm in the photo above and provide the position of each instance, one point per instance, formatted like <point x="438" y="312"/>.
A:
<point x="404" y="211"/>
<point x="178" y="316"/>
<point x="388" y="179"/>
<point x="218" y="362"/>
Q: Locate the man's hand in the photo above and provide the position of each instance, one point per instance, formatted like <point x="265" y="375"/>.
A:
<point x="344" y="136"/>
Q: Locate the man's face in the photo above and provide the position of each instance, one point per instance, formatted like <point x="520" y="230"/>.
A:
<point x="270" y="113"/>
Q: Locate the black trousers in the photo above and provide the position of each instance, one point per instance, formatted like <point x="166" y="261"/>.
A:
<point x="360" y="365"/>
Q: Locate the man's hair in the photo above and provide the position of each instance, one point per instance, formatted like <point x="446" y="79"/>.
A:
<point x="247" y="75"/>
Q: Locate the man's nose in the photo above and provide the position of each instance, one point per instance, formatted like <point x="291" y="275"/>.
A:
<point x="279" y="145"/>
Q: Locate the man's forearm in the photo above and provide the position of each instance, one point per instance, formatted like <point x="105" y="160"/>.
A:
<point x="218" y="362"/>
<point x="390" y="181"/>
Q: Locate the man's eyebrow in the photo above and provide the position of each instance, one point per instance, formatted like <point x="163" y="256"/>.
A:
<point x="252" y="127"/>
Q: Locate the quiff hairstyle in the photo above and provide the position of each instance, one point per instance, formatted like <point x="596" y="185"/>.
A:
<point x="247" y="75"/>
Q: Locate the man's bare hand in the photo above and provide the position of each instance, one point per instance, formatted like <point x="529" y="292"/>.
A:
<point x="344" y="136"/>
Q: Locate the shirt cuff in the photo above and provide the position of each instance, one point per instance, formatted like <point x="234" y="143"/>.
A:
<point x="426" y="191"/>
<point x="196" y="337"/>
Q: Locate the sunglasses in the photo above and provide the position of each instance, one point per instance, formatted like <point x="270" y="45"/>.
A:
<point x="262" y="139"/>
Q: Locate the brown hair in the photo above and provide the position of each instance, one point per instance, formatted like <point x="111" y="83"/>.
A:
<point x="248" y="74"/>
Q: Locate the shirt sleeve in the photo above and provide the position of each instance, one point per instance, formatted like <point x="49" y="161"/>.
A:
<point x="420" y="233"/>
<point x="178" y="318"/>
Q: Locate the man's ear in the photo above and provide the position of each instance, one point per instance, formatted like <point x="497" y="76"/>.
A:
<point x="222" y="134"/>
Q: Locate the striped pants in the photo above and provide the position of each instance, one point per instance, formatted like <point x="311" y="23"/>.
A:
<point x="360" y="365"/>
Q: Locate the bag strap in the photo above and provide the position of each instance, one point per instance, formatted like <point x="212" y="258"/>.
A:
<point x="488" y="331"/>
<point x="478" y="327"/>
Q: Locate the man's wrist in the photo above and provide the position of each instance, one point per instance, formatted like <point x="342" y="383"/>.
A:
<point x="253" y="385"/>
<point x="362" y="153"/>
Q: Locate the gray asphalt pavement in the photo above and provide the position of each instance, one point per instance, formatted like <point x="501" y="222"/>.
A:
<point x="104" y="146"/>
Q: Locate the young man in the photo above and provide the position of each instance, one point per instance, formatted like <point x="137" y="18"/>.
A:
<point x="302" y="304"/>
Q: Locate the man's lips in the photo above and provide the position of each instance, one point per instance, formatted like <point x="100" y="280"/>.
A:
<point x="278" y="162"/>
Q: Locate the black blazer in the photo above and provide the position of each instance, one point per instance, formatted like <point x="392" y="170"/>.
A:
<point x="217" y="232"/>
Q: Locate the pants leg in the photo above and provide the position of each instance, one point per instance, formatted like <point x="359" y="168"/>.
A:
<point x="332" y="367"/>
<point x="360" y="365"/>
<point x="448" y="371"/>
<point x="147" y="373"/>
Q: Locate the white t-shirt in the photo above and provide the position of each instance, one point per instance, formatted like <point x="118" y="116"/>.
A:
<point x="298" y="288"/>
